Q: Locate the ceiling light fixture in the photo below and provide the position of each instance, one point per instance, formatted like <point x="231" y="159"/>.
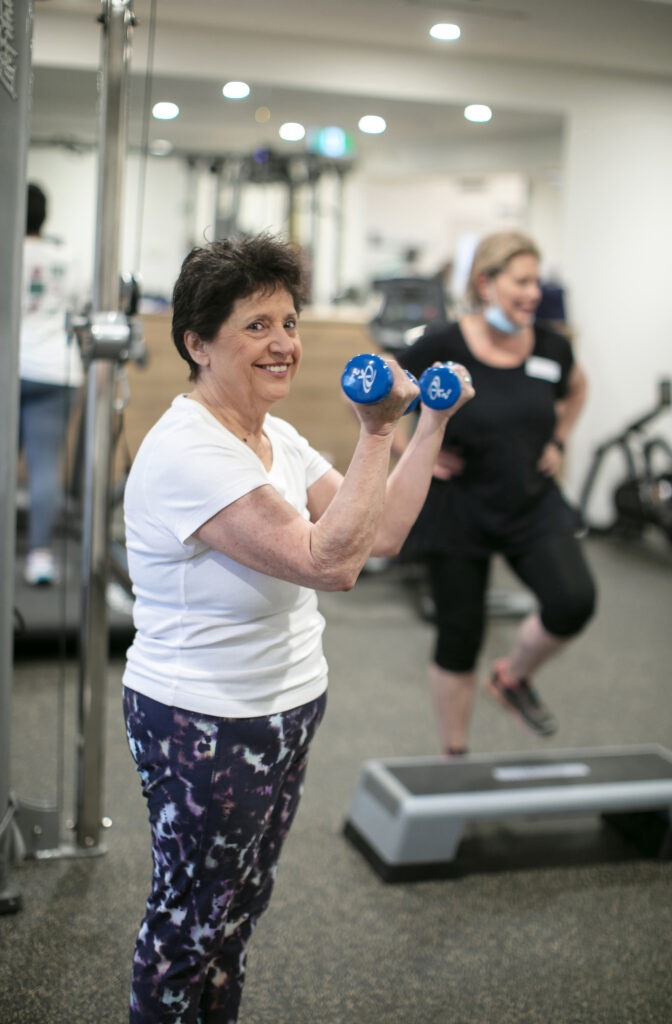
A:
<point x="165" y="111"/>
<point x="372" y="124"/>
<point x="444" y="30"/>
<point x="160" y="147"/>
<point x="291" y="131"/>
<point x="477" y="112"/>
<point x="236" y="90"/>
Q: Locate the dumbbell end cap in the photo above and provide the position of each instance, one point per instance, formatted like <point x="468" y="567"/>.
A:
<point x="366" y="379"/>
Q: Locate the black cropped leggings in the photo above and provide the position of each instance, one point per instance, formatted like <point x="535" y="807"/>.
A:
<point x="554" y="569"/>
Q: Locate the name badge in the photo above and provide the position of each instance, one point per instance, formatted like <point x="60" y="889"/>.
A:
<point x="543" y="369"/>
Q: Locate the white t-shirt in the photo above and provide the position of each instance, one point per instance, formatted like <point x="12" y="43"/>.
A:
<point x="212" y="635"/>
<point x="46" y="352"/>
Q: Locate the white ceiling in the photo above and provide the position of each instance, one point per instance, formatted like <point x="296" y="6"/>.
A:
<point x="624" y="36"/>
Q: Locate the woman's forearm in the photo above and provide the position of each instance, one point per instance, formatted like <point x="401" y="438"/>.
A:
<point x="570" y="409"/>
<point x="408" y="484"/>
<point x="342" y="538"/>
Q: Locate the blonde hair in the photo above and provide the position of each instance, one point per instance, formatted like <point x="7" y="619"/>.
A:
<point x="493" y="254"/>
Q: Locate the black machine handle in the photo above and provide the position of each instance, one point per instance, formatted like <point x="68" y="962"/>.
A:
<point x="664" y="401"/>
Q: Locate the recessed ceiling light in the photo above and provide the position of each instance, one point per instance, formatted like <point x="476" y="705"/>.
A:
<point x="477" y="112"/>
<point x="160" y="147"/>
<point x="236" y="90"/>
<point x="444" y="30"/>
<point x="291" y="131"/>
<point x="372" y="124"/>
<point x="165" y="111"/>
<point x="262" y="115"/>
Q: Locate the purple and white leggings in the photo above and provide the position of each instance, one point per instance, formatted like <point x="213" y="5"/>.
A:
<point x="222" y="794"/>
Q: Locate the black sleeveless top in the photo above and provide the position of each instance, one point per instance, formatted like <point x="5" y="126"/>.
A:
<point x="500" y="501"/>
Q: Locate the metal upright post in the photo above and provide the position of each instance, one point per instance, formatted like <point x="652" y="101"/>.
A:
<point x="117" y="20"/>
<point x="15" y="43"/>
<point x="338" y="236"/>
<point x="314" y="179"/>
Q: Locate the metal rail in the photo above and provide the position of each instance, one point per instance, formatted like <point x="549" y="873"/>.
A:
<point x="15" y="47"/>
<point x="110" y="345"/>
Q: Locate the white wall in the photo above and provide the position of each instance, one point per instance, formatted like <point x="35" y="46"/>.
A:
<point x="174" y="214"/>
<point x="69" y="180"/>
<point x="617" y="252"/>
<point x="431" y="213"/>
<point x="155" y="242"/>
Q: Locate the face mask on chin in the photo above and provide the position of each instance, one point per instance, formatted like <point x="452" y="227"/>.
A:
<point x="497" y="318"/>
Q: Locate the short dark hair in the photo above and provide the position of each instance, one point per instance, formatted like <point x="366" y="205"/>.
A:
<point x="213" y="277"/>
<point x="36" y="209"/>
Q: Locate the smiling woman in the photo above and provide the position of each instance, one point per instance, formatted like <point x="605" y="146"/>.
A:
<point x="495" y="491"/>
<point x="233" y="521"/>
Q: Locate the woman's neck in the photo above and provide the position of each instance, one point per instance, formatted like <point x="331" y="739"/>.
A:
<point x="245" y="425"/>
<point x="494" y="347"/>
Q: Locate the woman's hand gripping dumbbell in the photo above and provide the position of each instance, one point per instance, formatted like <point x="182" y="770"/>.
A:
<point x="368" y="379"/>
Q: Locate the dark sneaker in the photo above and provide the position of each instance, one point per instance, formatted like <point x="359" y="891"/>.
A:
<point x="455" y="753"/>
<point x="523" y="699"/>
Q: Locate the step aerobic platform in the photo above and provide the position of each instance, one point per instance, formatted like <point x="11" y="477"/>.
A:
<point x="408" y="815"/>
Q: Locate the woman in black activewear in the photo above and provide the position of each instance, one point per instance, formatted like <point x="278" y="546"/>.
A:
<point x="494" y="489"/>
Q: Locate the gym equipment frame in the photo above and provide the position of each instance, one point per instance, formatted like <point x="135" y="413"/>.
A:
<point x="107" y="338"/>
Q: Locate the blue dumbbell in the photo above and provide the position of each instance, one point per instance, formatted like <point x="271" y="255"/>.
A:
<point x="367" y="379"/>
<point x="440" y="386"/>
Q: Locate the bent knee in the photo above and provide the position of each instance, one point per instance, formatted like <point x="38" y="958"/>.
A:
<point x="571" y="613"/>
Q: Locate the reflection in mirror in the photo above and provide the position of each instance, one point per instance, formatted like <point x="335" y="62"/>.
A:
<point x="356" y="202"/>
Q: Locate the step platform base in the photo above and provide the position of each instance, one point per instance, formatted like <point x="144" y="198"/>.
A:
<point x="427" y="817"/>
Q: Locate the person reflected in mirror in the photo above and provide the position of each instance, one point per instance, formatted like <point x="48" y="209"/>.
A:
<point x="495" y="491"/>
<point x="233" y="522"/>
<point x="51" y="375"/>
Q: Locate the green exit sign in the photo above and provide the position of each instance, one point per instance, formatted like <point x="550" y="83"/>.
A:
<point x="333" y="142"/>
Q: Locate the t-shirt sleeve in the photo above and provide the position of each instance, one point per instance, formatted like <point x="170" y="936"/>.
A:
<point x="316" y="466"/>
<point x="191" y="479"/>
<point x="559" y="348"/>
<point x="314" y="463"/>
<point x="567" y="365"/>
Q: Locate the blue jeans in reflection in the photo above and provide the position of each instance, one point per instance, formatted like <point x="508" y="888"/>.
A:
<point x="44" y="413"/>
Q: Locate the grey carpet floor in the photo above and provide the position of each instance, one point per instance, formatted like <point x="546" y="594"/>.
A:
<point x="573" y="927"/>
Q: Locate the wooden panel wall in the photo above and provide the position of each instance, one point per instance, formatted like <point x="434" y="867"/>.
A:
<point x="315" y="406"/>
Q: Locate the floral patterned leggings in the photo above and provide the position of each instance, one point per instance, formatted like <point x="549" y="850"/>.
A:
<point x="222" y="794"/>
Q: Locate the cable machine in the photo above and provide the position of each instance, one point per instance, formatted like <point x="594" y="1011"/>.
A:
<point x="298" y="179"/>
<point x="107" y="336"/>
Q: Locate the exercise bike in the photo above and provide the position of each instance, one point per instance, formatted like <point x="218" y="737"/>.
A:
<point x="644" y="496"/>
